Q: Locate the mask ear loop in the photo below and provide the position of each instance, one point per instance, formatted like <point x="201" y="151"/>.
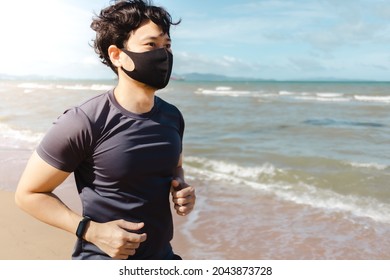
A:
<point x="132" y="61"/>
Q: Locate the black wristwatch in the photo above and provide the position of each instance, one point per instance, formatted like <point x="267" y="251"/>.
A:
<point x="82" y="226"/>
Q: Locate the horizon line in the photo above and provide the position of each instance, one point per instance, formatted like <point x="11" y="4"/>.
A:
<point x="202" y="77"/>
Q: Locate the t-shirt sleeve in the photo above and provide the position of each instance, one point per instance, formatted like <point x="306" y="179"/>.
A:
<point x="68" y="141"/>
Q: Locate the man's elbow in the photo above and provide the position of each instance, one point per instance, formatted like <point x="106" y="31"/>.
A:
<point x="20" y="198"/>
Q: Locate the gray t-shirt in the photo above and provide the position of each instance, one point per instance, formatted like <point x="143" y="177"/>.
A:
<point x="123" y="165"/>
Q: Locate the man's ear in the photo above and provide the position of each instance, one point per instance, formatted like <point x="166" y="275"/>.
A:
<point x="119" y="58"/>
<point x="114" y="54"/>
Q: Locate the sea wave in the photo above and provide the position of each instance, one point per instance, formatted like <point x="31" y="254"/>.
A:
<point x="29" y="87"/>
<point x="369" y="98"/>
<point x="323" y="99"/>
<point x="338" y="97"/>
<point x="269" y="179"/>
<point x="225" y="91"/>
<point x="13" y="138"/>
<point x="94" y="87"/>
<point x="376" y="166"/>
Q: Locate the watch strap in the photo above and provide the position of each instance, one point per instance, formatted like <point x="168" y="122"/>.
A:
<point x="82" y="226"/>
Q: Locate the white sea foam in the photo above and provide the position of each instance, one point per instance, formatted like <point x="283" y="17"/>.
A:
<point x="73" y="87"/>
<point x="265" y="96"/>
<point x="29" y="87"/>
<point x="323" y="99"/>
<point x="300" y="192"/>
<point x="229" y="169"/>
<point x="368" y="165"/>
<point x="101" y="87"/>
<point x="17" y="138"/>
<point x="221" y="88"/>
<point x="225" y="91"/>
<point x="329" y="94"/>
<point x="331" y="201"/>
<point x="305" y="96"/>
<point x="283" y="92"/>
<point x="95" y="87"/>
<point x="320" y="96"/>
<point x="368" y="98"/>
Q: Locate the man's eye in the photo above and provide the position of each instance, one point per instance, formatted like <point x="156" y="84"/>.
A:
<point x="151" y="44"/>
<point x="168" y="46"/>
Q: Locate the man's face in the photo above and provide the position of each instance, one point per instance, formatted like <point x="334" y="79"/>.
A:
<point x="149" y="48"/>
<point x="147" y="37"/>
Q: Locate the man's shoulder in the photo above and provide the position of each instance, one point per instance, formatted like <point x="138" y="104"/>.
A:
<point x="94" y="107"/>
<point x="95" y="103"/>
<point x="167" y="107"/>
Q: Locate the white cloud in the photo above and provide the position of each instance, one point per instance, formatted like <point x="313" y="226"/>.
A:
<point x="42" y="37"/>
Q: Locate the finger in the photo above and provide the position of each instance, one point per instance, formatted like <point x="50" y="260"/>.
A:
<point x="178" y="183"/>
<point x="132" y="245"/>
<point x="136" y="238"/>
<point x="120" y="257"/>
<point x="183" y="210"/>
<point x="175" y="183"/>
<point x="184" y="193"/>
<point x="129" y="225"/>
<point x="179" y="201"/>
<point x="183" y="198"/>
<point x="128" y="252"/>
<point x="184" y="203"/>
<point x="183" y="213"/>
<point x="141" y="237"/>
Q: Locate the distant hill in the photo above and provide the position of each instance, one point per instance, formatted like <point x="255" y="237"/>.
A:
<point x="207" y="77"/>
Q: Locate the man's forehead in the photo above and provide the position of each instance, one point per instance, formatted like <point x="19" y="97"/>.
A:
<point x="150" y="30"/>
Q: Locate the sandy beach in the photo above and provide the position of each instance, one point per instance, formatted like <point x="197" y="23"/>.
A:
<point x="21" y="236"/>
<point x="24" y="238"/>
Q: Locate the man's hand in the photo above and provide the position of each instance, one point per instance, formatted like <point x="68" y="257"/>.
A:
<point x="114" y="237"/>
<point x="183" y="196"/>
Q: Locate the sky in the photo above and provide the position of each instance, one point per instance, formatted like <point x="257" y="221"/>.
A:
<point x="265" y="39"/>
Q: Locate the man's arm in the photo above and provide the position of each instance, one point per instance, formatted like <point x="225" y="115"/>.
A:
<point x="34" y="194"/>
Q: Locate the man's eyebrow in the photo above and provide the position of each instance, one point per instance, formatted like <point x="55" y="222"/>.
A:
<point x="156" y="37"/>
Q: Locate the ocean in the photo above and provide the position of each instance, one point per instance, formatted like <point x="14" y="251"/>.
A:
<point x="283" y="170"/>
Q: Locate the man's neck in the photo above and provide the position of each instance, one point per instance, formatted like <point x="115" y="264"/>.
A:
<point x="134" y="97"/>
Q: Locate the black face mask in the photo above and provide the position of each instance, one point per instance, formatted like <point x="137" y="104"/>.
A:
<point x="152" y="68"/>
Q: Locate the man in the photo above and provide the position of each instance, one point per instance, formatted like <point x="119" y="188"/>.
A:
<point x="124" y="147"/>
